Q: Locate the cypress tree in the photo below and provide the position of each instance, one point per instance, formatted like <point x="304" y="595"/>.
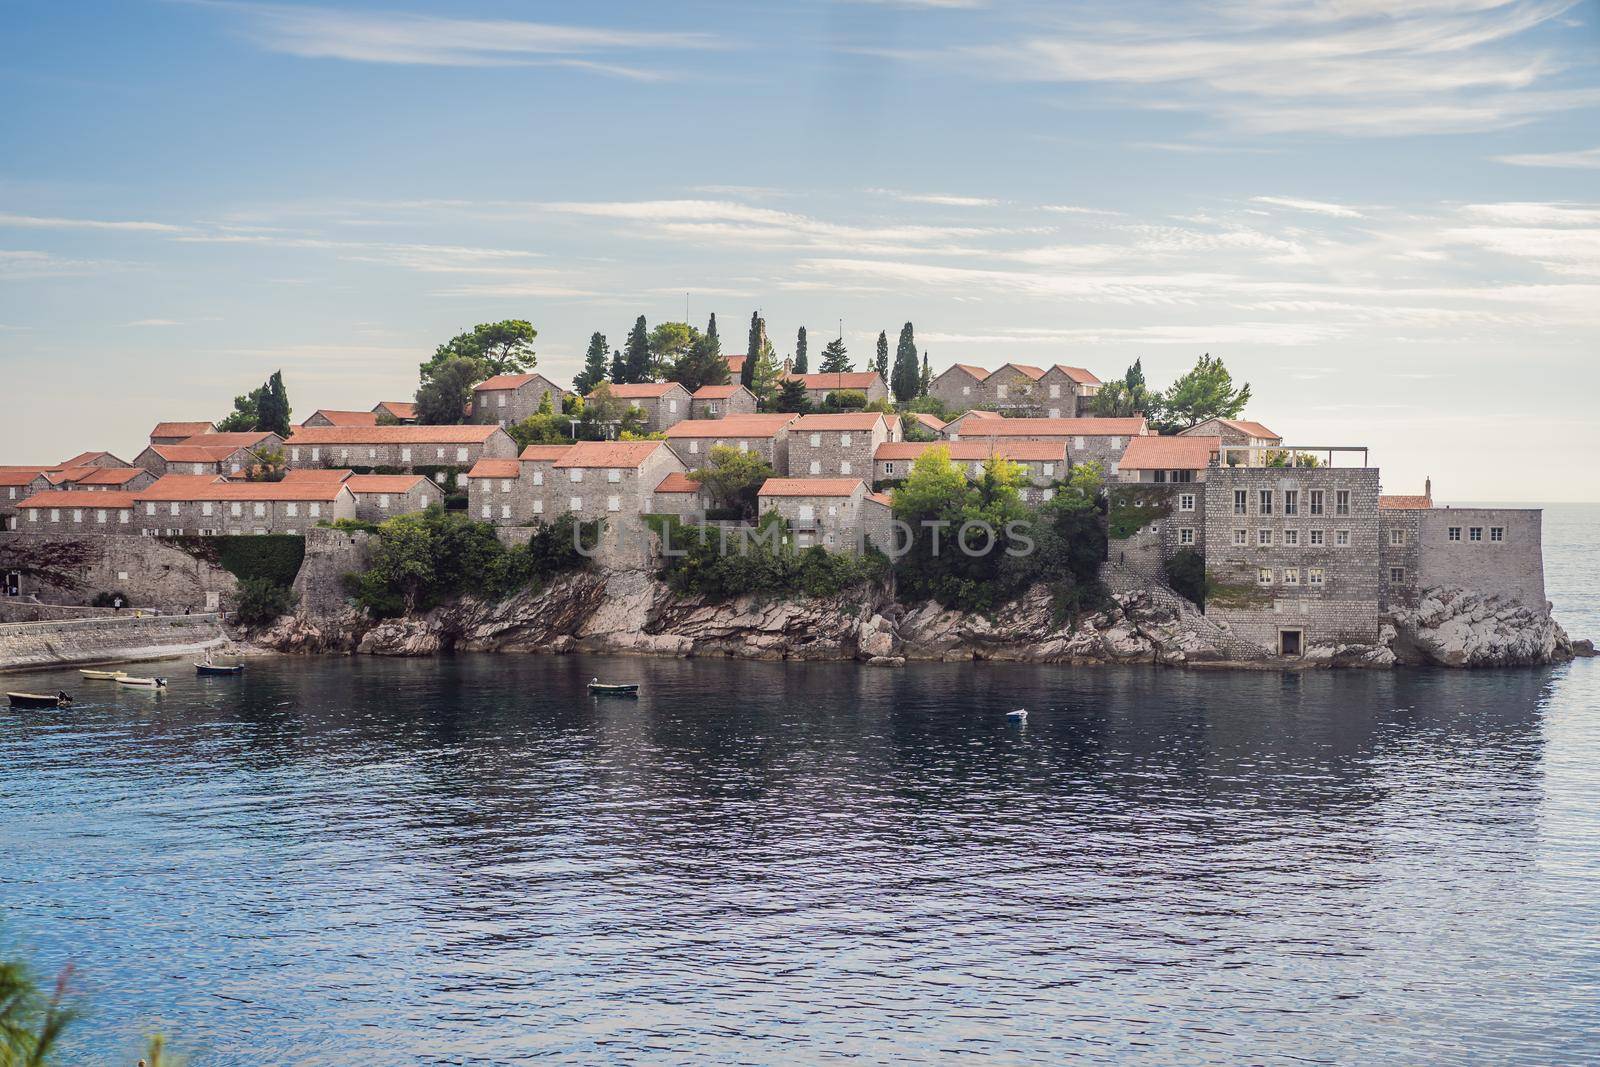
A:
<point x="927" y="377"/>
<point x="594" y="365"/>
<point x="905" y="380"/>
<point x="881" y="364"/>
<point x="637" y="360"/>
<point x="752" y="352"/>
<point x="800" y="351"/>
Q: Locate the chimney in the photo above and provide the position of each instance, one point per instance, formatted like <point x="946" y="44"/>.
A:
<point x="1427" y="488"/>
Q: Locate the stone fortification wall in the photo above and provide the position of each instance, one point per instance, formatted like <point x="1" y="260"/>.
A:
<point x="26" y="645"/>
<point x="148" y="570"/>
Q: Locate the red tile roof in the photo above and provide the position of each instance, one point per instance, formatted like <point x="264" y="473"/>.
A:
<point x="247" y="439"/>
<point x="881" y="498"/>
<point x="678" y="482"/>
<point x="839" y="380"/>
<point x="1053" y="427"/>
<point x="182" y="429"/>
<point x="1405" y="503"/>
<point x="496" y="468"/>
<point x="609" y="453"/>
<point x="544" y="452"/>
<point x="735" y="363"/>
<point x="84" y="459"/>
<point x="977" y="372"/>
<point x="61" y="498"/>
<point x="348" y="418"/>
<point x="644" y="390"/>
<point x="400" y="409"/>
<point x="64" y="475"/>
<point x="977" y="413"/>
<point x="472" y="433"/>
<point x="504" y="381"/>
<point x="718" y="392"/>
<point x="196" y="453"/>
<point x="932" y="422"/>
<point x="385" y="483"/>
<point x="318" y="475"/>
<point x="1169" y="453"/>
<point x="855" y="420"/>
<point x="967" y="451"/>
<point x="1251" y="429"/>
<point x="109" y="476"/>
<point x="733" y="426"/>
<point x="20" y="475"/>
<point x="810" y="486"/>
<point x="1026" y="370"/>
<point x="1077" y="374"/>
<point x="201" y="488"/>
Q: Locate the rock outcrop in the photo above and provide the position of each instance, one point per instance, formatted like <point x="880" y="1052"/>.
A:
<point x="1457" y="628"/>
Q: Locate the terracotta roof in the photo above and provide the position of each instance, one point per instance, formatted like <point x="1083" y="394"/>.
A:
<point x="348" y="418"/>
<point x="932" y="422"/>
<point x="385" y="483"/>
<point x="246" y="439"/>
<point x="182" y="429"/>
<point x="504" y="381"/>
<point x="472" y="433"/>
<point x="109" y="475"/>
<point x="61" y="498"/>
<point x="544" y="452"/>
<point x="977" y="413"/>
<point x="196" y="453"/>
<point x="609" y="453"/>
<point x="201" y="488"/>
<point x="1405" y="503"/>
<point x="810" y="486"/>
<point x="735" y="363"/>
<point x="718" y="392"/>
<point x="84" y="459"/>
<point x="838" y="380"/>
<point x="733" y="426"/>
<point x="1027" y="370"/>
<point x="1169" y="453"/>
<point x="64" y="475"/>
<point x="1077" y="374"/>
<point x="643" y="390"/>
<point x="20" y="475"/>
<point x="855" y="420"/>
<point x="400" y="409"/>
<point x="313" y="474"/>
<point x="678" y="482"/>
<point x="1250" y="429"/>
<point x="496" y="468"/>
<point x="881" y="498"/>
<point x="1054" y="427"/>
<point x="977" y="372"/>
<point x="966" y="451"/>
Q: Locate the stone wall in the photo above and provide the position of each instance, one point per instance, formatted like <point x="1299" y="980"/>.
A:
<point x="1512" y="567"/>
<point x="149" y="571"/>
<point x="31" y="645"/>
<point x="1399" y="541"/>
<point x="330" y="555"/>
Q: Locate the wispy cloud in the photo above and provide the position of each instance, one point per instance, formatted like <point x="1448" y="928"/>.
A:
<point x="45" y="222"/>
<point x="1315" y="207"/>
<point x="427" y="40"/>
<point x="1581" y="159"/>
<point x="937" y="199"/>
<point x="153" y="322"/>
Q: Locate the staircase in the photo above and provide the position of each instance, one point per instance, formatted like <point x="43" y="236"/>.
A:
<point x="1121" y="578"/>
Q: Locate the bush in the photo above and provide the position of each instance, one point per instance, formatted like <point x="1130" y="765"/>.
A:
<point x="845" y="400"/>
<point x="766" y="565"/>
<point x="262" y="601"/>
<point x="1186" y="573"/>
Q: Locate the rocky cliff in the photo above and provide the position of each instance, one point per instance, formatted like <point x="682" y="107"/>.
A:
<point x="631" y="612"/>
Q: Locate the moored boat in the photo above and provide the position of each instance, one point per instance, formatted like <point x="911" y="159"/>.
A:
<point x="218" y="668"/>
<point x="39" y="700"/>
<point x="141" y="683"/>
<point x="621" y="689"/>
<point x="102" y="676"/>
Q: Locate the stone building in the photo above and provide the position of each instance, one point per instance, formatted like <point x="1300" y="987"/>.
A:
<point x="16" y="485"/>
<point x="507" y="399"/>
<point x="1065" y="392"/>
<point x="198" y="505"/>
<point x="94" y="459"/>
<point x="959" y="386"/>
<point x="1100" y="440"/>
<point x="403" y="412"/>
<point x="820" y="386"/>
<point x="664" y="404"/>
<point x="1496" y="551"/>
<point x="1152" y="459"/>
<point x="496" y="493"/>
<point x="1045" y="462"/>
<point x="1057" y="391"/>
<point x="449" y="451"/>
<point x="162" y="460"/>
<point x="839" y="445"/>
<point x="820" y="511"/>
<point x="59" y="511"/>
<point x="680" y="495"/>
<point x="332" y="417"/>
<point x="1239" y="432"/>
<point x="720" y="401"/>
<point x="383" y="496"/>
<point x="952" y="429"/>
<point x="171" y="433"/>
<point x="104" y="479"/>
<point x="767" y="436"/>
<point x="611" y="480"/>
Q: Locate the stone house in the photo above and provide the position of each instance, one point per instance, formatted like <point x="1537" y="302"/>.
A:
<point x="766" y="435"/>
<point x="877" y="523"/>
<point x="1156" y="459"/>
<point x="162" y="460"/>
<point x="1237" y="432"/>
<point x="496" y="493"/>
<point x="16" y="485"/>
<point x="94" y="459"/>
<point x="536" y="471"/>
<point x="819" y="386"/>
<point x="58" y="511"/>
<point x="952" y="429"/>
<point x="203" y="506"/>
<point x="664" y="404"/>
<point x="105" y="479"/>
<point x="171" y="433"/>
<point x="331" y="417"/>
<point x="611" y="480"/>
<point x="932" y="423"/>
<point x="1423" y="546"/>
<point x="1045" y="462"/>
<point x="1064" y="392"/>
<point x="382" y="496"/>
<point x="1057" y="391"/>
<point x="507" y="399"/>
<point x="449" y="450"/>
<point x="1013" y="387"/>
<point x="403" y="412"/>
<point x="1400" y="548"/>
<point x="959" y="386"/>
<point x="254" y="440"/>
<point x="819" y="511"/>
<point x="839" y="445"/>
<point x="1101" y="440"/>
<point x="720" y="401"/>
<point x="680" y="495"/>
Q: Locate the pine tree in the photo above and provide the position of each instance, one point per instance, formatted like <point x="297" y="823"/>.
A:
<point x="881" y="364"/>
<point x="800" y="351"/>
<point x="926" y="381"/>
<point x="752" y="352"/>
<point x="636" y="364"/>
<point x="619" y="367"/>
<point x="594" y="364"/>
<point x="703" y="364"/>
<point x="835" y="359"/>
<point x="905" y="381"/>
<point x="274" y="413"/>
<point x="792" y="396"/>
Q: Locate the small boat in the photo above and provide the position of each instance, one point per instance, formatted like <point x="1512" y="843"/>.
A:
<point x="141" y="683"/>
<point x="103" y="676"/>
<point x="218" y="668"/>
<point x="1020" y="715"/>
<point x="614" y="689"/>
<point x="39" y="700"/>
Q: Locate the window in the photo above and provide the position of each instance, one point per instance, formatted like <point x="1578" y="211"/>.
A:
<point x="1497" y="533"/>
<point x="1397" y="574"/>
<point x="1341" y="539"/>
<point x="383" y="501"/>
<point x="1263" y="537"/>
<point x="316" y="454"/>
<point x="816" y="440"/>
<point x="205" y="508"/>
<point x="1316" y="538"/>
<point x="966" y="390"/>
<point x="1185" y="501"/>
<point x="372" y="453"/>
<point x="844" y="440"/>
<point x="1315" y="501"/>
<point x="292" y="510"/>
<point x="888" y="469"/>
<point x="77" y="514"/>
<point x="461" y="455"/>
<point x="260" y="510"/>
<point x="1049" y="470"/>
<point x="1241" y="537"/>
<point x="316" y="509"/>
<point x="1291" y="537"/>
<point x="694" y="448"/>
<point x="613" y="503"/>
<point x="744" y="446"/>
<point x="538" y="507"/>
<point x="1186" y="536"/>
<point x="149" y="509"/>
<point x="294" y="454"/>
<point x="1160" y="476"/>
<point x="1264" y="506"/>
<point x="55" y="514"/>
<point x="505" y="485"/>
<point x="1291" y="576"/>
<point x="1397" y="536"/>
<point x="33" y="514"/>
<point x="1314" y="576"/>
<point x="173" y="510"/>
<point x="405" y="455"/>
<point x="1000" y="392"/>
<point x="199" y="468"/>
<point x="1055" y="392"/>
<point x="575" y="503"/>
<point x="613" y="475"/>
<point x="816" y="466"/>
<point x="1453" y="533"/>
<point x="122" y="517"/>
<point x="575" y="474"/>
<point x="1474" y="533"/>
<point x="1263" y="575"/>
<point x="1291" y="502"/>
<point x="487" y="511"/>
<point x="844" y="466"/>
<point x="1341" y="502"/>
<point x="538" y="477"/>
<point x="505" y="511"/>
<point x="1240" y="496"/>
<point x="439" y="453"/>
<point x="100" y="515"/>
<point x="500" y="400"/>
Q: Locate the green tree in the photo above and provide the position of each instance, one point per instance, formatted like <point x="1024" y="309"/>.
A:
<point x="542" y="429"/>
<point x="766" y="377"/>
<point x="670" y="342"/>
<point x="835" y="359"/>
<point x="792" y="397"/>
<point x="799" y="365"/>
<point x="881" y="362"/>
<point x="1205" y="392"/>
<point x="30" y="1024"/>
<point x="846" y="400"/>
<point x="733" y="479"/>
<point x="594" y="364"/>
<point x="605" y="416"/>
<point x="903" y="381"/>
<point x="1127" y="397"/>
<point x="444" y="396"/>
<point x="496" y="347"/>
<point x="262" y="601"/>
<point x="636" y="358"/>
<point x="925" y="382"/>
<point x="703" y="364"/>
<point x="264" y="408"/>
<point x="752" y="351"/>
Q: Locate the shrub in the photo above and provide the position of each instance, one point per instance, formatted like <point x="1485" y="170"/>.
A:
<point x="1186" y="573"/>
<point x="846" y="400"/>
<point x="262" y="601"/>
<point x="765" y="565"/>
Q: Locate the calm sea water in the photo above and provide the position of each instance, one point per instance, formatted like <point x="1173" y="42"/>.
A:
<point x="471" y="861"/>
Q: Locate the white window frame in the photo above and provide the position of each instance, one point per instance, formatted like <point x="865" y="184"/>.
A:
<point x="1185" y="501"/>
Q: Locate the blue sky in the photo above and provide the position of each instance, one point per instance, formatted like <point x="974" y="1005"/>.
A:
<point x="1384" y="215"/>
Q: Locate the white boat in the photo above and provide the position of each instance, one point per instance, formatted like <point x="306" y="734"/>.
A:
<point x="103" y="676"/>
<point x="1020" y="715"/>
<point x="141" y="683"/>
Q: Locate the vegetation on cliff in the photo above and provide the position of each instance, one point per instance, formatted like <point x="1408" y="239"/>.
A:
<point x="720" y="563"/>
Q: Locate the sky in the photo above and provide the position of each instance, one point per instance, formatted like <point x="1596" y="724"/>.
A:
<point x="1382" y="214"/>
